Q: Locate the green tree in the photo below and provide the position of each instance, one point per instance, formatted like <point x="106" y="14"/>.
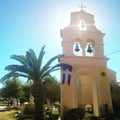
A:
<point x="32" y="68"/>
<point x="26" y="90"/>
<point x="12" y="88"/>
<point x="114" y="86"/>
<point x="115" y="94"/>
<point x="52" y="89"/>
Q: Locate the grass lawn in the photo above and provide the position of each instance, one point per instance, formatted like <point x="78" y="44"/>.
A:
<point x="8" y="115"/>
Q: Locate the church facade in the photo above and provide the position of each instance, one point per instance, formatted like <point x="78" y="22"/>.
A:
<point x="83" y="49"/>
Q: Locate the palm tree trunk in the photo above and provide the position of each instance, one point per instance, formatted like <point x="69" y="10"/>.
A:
<point x="38" y="94"/>
<point x="38" y="109"/>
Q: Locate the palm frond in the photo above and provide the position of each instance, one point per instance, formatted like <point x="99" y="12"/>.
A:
<point x="54" y="68"/>
<point x="45" y="74"/>
<point x="11" y="74"/>
<point x="64" y="65"/>
<point x="19" y="68"/>
<point x="30" y="60"/>
<point x="22" y="59"/>
<point x="47" y="65"/>
<point x="5" y="77"/>
<point x="40" y="57"/>
<point x="33" y="57"/>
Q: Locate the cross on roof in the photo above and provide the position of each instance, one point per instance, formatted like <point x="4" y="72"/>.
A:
<point x="82" y="6"/>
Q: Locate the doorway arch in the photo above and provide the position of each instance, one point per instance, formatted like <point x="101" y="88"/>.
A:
<point x="84" y="91"/>
<point x="87" y="89"/>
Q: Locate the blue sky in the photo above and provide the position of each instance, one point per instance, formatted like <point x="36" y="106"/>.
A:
<point x="28" y="24"/>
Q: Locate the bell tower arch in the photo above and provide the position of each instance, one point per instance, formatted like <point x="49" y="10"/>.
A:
<point x="83" y="49"/>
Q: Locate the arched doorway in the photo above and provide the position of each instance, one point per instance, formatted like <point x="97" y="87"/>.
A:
<point x="84" y="90"/>
<point x="87" y="92"/>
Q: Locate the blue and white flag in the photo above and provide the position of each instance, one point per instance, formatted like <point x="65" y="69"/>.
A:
<point x="66" y="75"/>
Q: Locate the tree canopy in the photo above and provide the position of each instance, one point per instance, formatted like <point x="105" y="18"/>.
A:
<point x="52" y="89"/>
<point x="13" y="88"/>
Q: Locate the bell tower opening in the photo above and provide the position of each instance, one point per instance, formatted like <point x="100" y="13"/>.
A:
<point x="89" y="49"/>
<point x="77" y="50"/>
<point x="82" y="25"/>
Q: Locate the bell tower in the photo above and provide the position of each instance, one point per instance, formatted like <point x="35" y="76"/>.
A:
<point x="83" y="49"/>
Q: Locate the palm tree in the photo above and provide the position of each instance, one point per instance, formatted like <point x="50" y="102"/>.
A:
<point x="31" y="68"/>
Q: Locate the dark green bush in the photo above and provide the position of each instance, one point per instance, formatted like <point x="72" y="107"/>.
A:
<point x="73" y="114"/>
<point x="29" y="109"/>
<point x="53" y="117"/>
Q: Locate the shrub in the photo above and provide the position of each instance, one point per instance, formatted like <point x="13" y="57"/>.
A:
<point x="53" y="117"/>
<point x="73" y="114"/>
<point x="29" y="109"/>
<point x="109" y="116"/>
